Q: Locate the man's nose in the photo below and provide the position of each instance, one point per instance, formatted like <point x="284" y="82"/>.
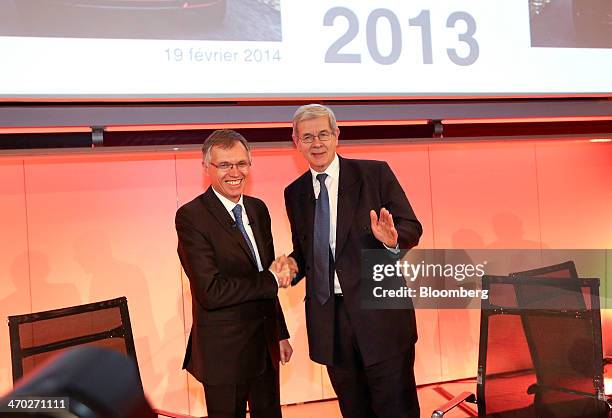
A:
<point x="316" y="140"/>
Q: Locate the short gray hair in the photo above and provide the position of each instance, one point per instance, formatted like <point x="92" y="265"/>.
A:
<point x="312" y="111"/>
<point x="225" y="139"/>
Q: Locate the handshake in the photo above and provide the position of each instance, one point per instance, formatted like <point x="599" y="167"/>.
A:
<point x="285" y="268"/>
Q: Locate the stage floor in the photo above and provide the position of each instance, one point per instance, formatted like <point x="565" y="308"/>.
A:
<point x="430" y="397"/>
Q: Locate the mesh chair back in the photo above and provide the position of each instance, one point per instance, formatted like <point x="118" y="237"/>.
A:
<point x="565" y="343"/>
<point x="505" y="368"/>
<point x="562" y="270"/>
<point x="37" y="336"/>
<point x="566" y="270"/>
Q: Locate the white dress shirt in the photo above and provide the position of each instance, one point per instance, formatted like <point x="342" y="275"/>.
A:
<point x="229" y="205"/>
<point x="331" y="182"/>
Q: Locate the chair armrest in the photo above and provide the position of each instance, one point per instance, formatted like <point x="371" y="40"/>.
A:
<point x="463" y="397"/>
<point x="163" y="413"/>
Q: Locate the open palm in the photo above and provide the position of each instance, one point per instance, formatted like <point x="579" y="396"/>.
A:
<point x="383" y="227"/>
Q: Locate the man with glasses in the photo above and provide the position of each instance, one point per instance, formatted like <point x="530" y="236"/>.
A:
<point x="225" y="246"/>
<point x="337" y="209"/>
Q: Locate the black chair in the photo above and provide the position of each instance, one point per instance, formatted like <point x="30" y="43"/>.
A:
<point x="36" y="337"/>
<point x="505" y="370"/>
<point x="562" y="270"/>
<point x="541" y="349"/>
<point x="564" y="337"/>
<point x="538" y="359"/>
<point x="566" y="270"/>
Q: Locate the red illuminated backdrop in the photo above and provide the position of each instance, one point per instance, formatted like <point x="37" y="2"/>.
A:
<point x="88" y="227"/>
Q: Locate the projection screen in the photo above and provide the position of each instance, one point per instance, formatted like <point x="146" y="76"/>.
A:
<point x="259" y="49"/>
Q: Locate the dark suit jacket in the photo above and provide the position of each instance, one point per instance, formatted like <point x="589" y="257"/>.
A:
<point x="363" y="185"/>
<point x="237" y="319"/>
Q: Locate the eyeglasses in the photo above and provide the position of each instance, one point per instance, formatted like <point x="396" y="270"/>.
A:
<point x="225" y="166"/>
<point x="323" y="137"/>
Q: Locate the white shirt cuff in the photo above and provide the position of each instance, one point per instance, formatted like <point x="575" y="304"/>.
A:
<point x="394" y="250"/>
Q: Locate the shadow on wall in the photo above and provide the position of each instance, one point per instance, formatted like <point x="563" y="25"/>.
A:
<point x="176" y="381"/>
<point x="35" y="266"/>
<point x="26" y="269"/>
<point x="508" y="229"/>
<point x="109" y="278"/>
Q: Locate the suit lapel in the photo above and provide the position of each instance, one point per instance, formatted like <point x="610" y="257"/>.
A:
<point x="349" y="190"/>
<point x="309" y="202"/>
<point x="217" y="209"/>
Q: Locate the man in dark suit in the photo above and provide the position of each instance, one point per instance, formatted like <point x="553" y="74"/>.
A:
<point x="225" y="246"/>
<point x="337" y="209"/>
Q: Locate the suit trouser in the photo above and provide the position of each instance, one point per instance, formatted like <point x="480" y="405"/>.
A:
<point x="262" y="394"/>
<point x="383" y="390"/>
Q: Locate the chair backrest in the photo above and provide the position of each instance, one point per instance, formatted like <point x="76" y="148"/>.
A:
<point x="505" y="367"/>
<point x="565" y="341"/>
<point x="566" y="270"/>
<point x="540" y="349"/>
<point x="562" y="270"/>
<point x="37" y="336"/>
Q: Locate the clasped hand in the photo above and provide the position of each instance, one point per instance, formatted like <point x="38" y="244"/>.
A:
<point x="285" y="268"/>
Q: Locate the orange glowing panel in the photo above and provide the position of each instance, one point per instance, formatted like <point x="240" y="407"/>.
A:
<point x="191" y="181"/>
<point x="43" y="129"/>
<point x="410" y="164"/>
<point x="483" y="195"/>
<point x="100" y="228"/>
<point x="527" y="120"/>
<point x="14" y="259"/>
<point x="575" y="185"/>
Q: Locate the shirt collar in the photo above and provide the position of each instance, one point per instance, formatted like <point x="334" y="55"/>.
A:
<point x="333" y="170"/>
<point x="229" y="205"/>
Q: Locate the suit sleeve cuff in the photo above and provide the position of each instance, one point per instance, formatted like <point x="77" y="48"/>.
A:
<point x="275" y="278"/>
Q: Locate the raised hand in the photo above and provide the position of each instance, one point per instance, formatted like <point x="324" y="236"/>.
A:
<point x="383" y="227"/>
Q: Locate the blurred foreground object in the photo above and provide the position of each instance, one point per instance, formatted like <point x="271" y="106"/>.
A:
<point x="98" y="383"/>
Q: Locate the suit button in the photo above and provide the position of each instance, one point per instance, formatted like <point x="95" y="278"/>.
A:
<point x="339" y="270"/>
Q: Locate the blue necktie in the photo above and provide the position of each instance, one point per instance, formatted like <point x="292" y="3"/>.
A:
<point x="321" y="249"/>
<point x="237" y="211"/>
